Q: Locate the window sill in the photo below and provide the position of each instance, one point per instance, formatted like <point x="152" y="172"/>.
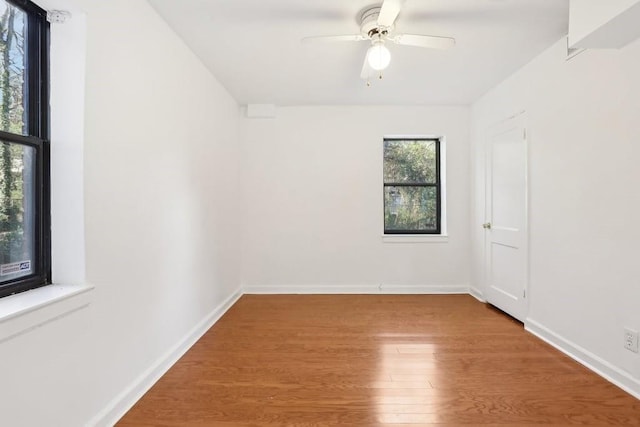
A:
<point x="415" y="238"/>
<point x="27" y="310"/>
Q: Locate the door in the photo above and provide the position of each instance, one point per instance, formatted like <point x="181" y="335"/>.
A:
<point x="506" y="234"/>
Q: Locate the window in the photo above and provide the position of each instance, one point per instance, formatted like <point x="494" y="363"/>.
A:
<point x="24" y="147"/>
<point x="412" y="190"/>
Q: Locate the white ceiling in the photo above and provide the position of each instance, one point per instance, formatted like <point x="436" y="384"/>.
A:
<point x="253" y="47"/>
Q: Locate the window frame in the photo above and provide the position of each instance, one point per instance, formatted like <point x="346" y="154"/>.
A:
<point x="437" y="185"/>
<point x="37" y="136"/>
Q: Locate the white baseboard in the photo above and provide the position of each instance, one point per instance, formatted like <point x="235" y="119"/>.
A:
<point x="355" y="289"/>
<point x="598" y="365"/>
<point x="125" y="400"/>
<point x="476" y="293"/>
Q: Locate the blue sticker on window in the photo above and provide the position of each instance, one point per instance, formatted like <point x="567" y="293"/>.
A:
<point x="15" y="267"/>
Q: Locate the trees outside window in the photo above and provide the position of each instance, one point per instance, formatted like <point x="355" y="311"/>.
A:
<point x="412" y="186"/>
<point x="24" y="181"/>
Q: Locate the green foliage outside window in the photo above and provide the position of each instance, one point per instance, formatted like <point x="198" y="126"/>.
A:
<point x="12" y="120"/>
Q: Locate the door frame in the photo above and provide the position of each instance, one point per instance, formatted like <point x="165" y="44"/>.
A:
<point x="517" y="120"/>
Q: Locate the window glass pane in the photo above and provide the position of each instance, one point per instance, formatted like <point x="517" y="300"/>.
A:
<point x="17" y="211"/>
<point x="410" y="161"/>
<point x="410" y="208"/>
<point x="13" y="24"/>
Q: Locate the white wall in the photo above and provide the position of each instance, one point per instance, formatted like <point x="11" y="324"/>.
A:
<point x="161" y="181"/>
<point x="313" y="201"/>
<point x="583" y="132"/>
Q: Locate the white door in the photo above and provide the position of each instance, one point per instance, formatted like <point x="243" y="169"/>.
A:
<point x="506" y="233"/>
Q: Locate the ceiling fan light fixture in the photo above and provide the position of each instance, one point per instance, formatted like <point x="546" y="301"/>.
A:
<point x="378" y="56"/>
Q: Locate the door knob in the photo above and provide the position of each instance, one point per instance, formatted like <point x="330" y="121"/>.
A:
<point x="486" y="226"/>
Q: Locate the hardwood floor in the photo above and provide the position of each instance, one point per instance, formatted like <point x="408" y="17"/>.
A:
<point x="376" y="360"/>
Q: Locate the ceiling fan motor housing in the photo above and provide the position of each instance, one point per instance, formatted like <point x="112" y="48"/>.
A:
<point x="369" y="23"/>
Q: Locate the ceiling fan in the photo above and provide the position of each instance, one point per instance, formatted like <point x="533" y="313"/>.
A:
<point x="377" y="24"/>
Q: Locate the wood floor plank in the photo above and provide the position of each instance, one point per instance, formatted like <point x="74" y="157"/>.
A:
<point x="376" y="360"/>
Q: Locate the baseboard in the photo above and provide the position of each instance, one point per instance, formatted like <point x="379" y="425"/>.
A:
<point x="355" y="289"/>
<point x="476" y="293"/>
<point x="598" y="365"/>
<point x="125" y="400"/>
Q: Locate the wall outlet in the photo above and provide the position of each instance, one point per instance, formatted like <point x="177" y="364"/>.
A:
<point x="631" y="340"/>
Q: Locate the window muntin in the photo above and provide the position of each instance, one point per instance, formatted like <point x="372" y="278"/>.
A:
<point x="412" y="193"/>
<point x="24" y="158"/>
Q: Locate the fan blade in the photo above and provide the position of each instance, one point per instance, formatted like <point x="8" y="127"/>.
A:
<point x="389" y="12"/>
<point x="366" y="69"/>
<point x="431" y="42"/>
<point x="331" y="39"/>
